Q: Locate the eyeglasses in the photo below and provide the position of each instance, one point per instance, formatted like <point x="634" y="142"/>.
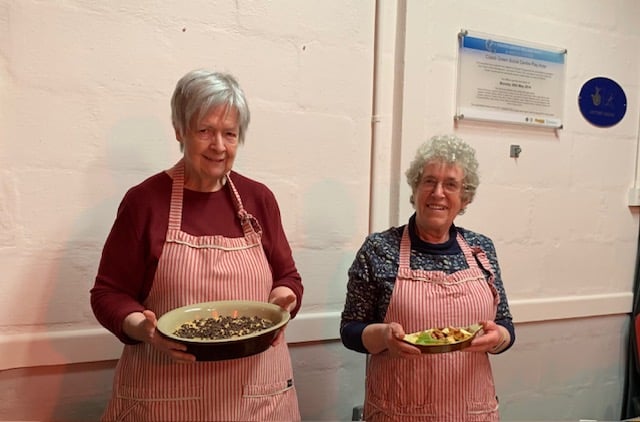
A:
<point x="449" y="185"/>
<point x="208" y="134"/>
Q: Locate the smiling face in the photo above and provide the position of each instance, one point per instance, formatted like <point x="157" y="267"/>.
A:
<point x="210" y="146"/>
<point x="438" y="200"/>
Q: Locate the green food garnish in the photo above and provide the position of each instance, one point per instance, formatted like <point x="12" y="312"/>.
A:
<point x="426" y="338"/>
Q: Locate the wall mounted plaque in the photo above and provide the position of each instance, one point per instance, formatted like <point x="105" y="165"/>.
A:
<point x="510" y="81"/>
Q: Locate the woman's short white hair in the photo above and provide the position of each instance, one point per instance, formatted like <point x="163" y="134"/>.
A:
<point x="447" y="149"/>
<point x="199" y="91"/>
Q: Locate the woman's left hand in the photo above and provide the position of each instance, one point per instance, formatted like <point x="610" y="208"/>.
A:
<point x="286" y="299"/>
<point x="490" y="338"/>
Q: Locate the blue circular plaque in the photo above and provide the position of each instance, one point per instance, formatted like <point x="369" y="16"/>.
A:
<point x="602" y="102"/>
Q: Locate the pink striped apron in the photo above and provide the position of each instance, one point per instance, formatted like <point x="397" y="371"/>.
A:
<point x="149" y="386"/>
<point x="447" y="387"/>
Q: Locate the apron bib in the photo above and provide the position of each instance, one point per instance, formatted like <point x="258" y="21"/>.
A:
<point x="150" y="386"/>
<point x="455" y="386"/>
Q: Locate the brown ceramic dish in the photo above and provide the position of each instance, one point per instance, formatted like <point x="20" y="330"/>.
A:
<point x="223" y="349"/>
<point x="443" y="347"/>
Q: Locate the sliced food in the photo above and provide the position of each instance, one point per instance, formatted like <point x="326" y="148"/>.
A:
<point x="440" y="336"/>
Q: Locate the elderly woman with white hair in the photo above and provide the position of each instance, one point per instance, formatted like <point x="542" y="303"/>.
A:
<point x="197" y="232"/>
<point x="426" y="274"/>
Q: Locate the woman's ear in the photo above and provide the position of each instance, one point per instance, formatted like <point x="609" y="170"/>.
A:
<point x="463" y="207"/>
<point x="180" y="140"/>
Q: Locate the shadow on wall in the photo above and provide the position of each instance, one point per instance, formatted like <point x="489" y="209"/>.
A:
<point x="329" y="378"/>
<point x="334" y="225"/>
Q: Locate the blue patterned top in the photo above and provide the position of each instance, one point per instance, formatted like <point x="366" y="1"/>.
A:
<point x="372" y="276"/>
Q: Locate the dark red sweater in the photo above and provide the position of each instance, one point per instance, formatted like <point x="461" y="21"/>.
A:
<point x="133" y="247"/>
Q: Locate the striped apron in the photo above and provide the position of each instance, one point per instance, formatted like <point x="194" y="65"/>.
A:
<point x="447" y="387"/>
<point x="150" y="386"/>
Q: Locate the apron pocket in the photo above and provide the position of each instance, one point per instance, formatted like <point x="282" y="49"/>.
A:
<point x="275" y="401"/>
<point x="482" y="411"/>
<point x="387" y="410"/>
<point x="136" y="403"/>
<point x="266" y="390"/>
<point x="136" y="410"/>
<point x="134" y="392"/>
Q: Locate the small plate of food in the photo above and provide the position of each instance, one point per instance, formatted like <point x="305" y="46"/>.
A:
<point x="442" y="340"/>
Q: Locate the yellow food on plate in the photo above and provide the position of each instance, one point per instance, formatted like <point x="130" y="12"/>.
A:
<point x="440" y="336"/>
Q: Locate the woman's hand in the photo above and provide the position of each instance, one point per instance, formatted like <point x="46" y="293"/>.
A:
<point x="141" y="326"/>
<point x="378" y="338"/>
<point x="393" y="336"/>
<point x="286" y="299"/>
<point x="492" y="339"/>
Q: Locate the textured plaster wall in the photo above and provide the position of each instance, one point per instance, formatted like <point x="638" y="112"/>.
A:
<point x="84" y="91"/>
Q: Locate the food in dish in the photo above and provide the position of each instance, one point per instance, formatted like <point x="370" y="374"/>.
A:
<point x="239" y="346"/>
<point x="222" y="327"/>
<point x="447" y="335"/>
<point x="442" y="340"/>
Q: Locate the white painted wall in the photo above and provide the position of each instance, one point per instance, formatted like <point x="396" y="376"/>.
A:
<point x="84" y="114"/>
<point x="89" y="110"/>
<point x="558" y="213"/>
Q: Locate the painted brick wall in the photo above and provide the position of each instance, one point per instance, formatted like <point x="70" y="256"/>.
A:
<point x="84" y="114"/>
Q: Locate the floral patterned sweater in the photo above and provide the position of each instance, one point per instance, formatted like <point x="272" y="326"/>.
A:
<point x="373" y="274"/>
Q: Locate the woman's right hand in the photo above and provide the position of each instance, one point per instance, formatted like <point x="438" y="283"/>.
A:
<point x="388" y="337"/>
<point x="141" y="326"/>
<point x="396" y="347"/>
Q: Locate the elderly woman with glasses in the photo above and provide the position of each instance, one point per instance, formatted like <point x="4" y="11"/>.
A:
<point x="426" y="274"/>
<point x="197" y="232"/>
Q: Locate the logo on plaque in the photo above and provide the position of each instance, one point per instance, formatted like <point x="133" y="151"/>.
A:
<point x="602" y="102"/>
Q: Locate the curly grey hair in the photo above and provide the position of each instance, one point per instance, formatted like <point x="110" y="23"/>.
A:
<point x="199" y="91"/>
<point x="447" y="149"/>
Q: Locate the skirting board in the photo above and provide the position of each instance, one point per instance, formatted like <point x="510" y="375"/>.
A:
<point x="96" y="344"/>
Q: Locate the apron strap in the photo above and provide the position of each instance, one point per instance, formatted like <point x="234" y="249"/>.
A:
<point x="404" y="268"/>
<point x="475" y="255"/>
<point x="249" y="223"/>
<point x="467" y="251"/>
<point x="177" y="191"/>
